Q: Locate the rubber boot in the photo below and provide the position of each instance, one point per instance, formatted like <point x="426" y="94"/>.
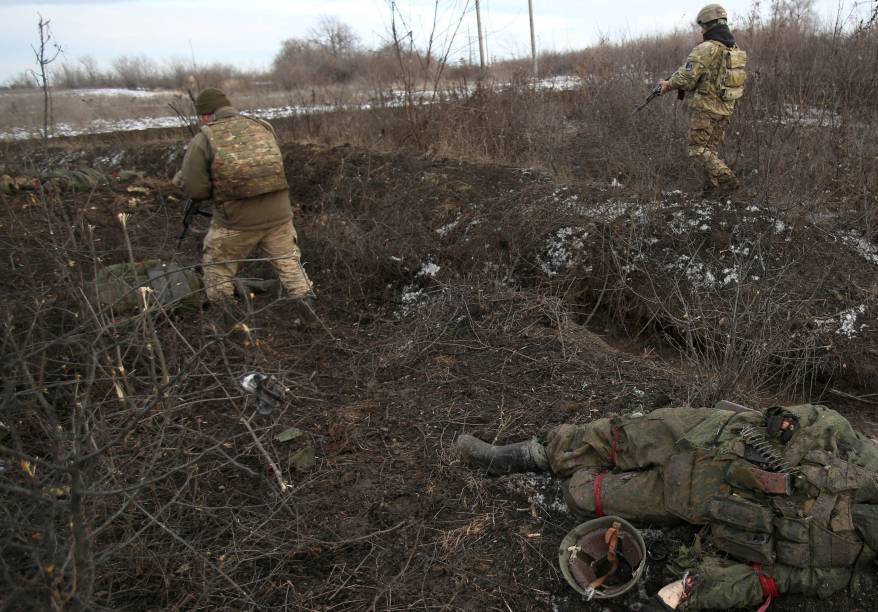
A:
<point x="527" y="456"/>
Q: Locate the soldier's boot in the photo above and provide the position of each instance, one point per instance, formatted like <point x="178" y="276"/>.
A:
<point x="710" y="188"/>
<point x="527" y="456"/>
<point x="222" y="315"/>
<point x="306" y="310"/>
<point x="728" y="184"/>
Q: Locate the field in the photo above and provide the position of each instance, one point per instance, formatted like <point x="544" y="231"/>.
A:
<point x="496" y="260"/>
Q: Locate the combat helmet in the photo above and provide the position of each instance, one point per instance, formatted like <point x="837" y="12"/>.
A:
<point x="709" y="14"/>
<point x="602" y="558"/>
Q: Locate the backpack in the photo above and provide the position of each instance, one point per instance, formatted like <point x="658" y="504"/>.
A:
<point x="732" y="74"/>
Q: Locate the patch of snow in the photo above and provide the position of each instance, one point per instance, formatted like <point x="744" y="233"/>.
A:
<point x="562" y="82"/>
<point x="808" y="116"/>
<point x="563" y="249"/>
<point x="446" y="229"/>
<point x="111" y="92"/>
<point x="845" y="322"/>
<point x="616" y="184"/>
<point x="429" y="270"/>
<point x="860" y="244"/>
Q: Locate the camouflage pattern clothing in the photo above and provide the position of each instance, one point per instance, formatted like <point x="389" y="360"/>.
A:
<point x="82" y="180"/>
<point x="225" y="247"/>
<point x="805" y="510"/>
<point x="714" y="72"/>
<point x="236" y="162"/>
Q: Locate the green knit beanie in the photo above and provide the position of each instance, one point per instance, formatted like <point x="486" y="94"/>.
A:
<point x="209" y="100"/>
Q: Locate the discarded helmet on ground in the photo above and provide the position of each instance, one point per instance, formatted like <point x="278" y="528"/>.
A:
<point x="602" y="558"/>
<point x="710" y="13"/>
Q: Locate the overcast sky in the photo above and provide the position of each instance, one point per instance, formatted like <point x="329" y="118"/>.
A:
<point x="248" y="32"/>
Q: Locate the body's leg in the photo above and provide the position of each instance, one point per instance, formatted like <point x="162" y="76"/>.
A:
<point x="635" y="496"/>
<point x="726" y="585"/>
<point x="280" y="242"/>
<point x="223" y="247"/>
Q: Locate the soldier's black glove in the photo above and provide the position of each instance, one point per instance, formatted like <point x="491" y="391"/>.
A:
<point x="781" y="424"/>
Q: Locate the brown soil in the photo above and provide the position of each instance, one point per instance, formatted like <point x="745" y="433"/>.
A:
<point x="406" y="359"/>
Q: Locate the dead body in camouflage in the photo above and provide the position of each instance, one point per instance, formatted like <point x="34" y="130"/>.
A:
<point x="714" y="72"/>
<point x="792" y="494"/>
<point x="61" y="180"/>
<point x="235" y="161"/>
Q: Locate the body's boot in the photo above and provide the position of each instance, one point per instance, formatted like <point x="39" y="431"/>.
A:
<point x="527" y="456"/>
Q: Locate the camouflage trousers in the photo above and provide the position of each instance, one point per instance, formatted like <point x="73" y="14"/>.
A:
<point x="706" y="132"/>
<point x="637" y="447"/>
<point x="224" y="249"/>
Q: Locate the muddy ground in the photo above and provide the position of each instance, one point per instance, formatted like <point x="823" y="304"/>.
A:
<point x="454" y="297"/>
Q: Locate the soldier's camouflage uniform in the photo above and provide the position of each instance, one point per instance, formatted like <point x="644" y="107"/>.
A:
<point x="716" y="79"/>
<point x="235" y="161"/>
<point x="701" y="466"/>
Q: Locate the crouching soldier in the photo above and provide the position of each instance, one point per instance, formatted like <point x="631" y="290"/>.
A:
<point x="790" y="497"/>
<point x="236" y="162"/>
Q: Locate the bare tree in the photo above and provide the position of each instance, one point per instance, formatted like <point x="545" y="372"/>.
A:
<point x="47" y="52"/>
<point x="335" y="37"/>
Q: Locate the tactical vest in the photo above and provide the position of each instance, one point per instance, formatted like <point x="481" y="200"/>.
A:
<point x="812" y="525"/>
<point x="246" y="159"/>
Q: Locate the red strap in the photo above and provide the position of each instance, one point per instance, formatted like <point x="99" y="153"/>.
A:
<point x="617" y="432"/>
<point x="598" y="494"/>
<point x="769" y="587"/>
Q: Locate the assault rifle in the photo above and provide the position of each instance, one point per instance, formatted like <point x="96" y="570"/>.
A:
<point x="190" y="209"/>
<point x="655" y="93"/>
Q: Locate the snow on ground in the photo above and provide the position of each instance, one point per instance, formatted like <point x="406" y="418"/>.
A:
<point x="845" y="322"/>
<point x="860" y="244"/>
<point x="564" y="82"/>
<point x="809" y="116"/>
<point x="390" y="99"/>
<point x="563" y="250"/>
<point x="112" y="93"/>
<point x="429" y="270"/>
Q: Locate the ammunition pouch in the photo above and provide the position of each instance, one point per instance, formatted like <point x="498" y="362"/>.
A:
<point x="691" y="480"/>
<point x="743" y="545"/>
<point x="740" y="513"/>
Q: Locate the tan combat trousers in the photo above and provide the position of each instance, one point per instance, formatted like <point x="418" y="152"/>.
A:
<point x="706" y="132"/>
<point x="224" y="249"/>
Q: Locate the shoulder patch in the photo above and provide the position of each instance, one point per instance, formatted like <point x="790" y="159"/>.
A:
<point x="688" y="66"/>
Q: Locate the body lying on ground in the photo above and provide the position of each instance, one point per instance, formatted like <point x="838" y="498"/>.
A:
<point x="789" y="497"/>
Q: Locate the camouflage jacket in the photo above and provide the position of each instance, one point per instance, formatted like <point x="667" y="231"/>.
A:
<point x="701" y="74"/>
<point x="251" y="213"/>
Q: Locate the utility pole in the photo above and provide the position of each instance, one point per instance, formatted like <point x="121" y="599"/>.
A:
<point x="533" y="40"/>
<point x="481" y="41"/>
